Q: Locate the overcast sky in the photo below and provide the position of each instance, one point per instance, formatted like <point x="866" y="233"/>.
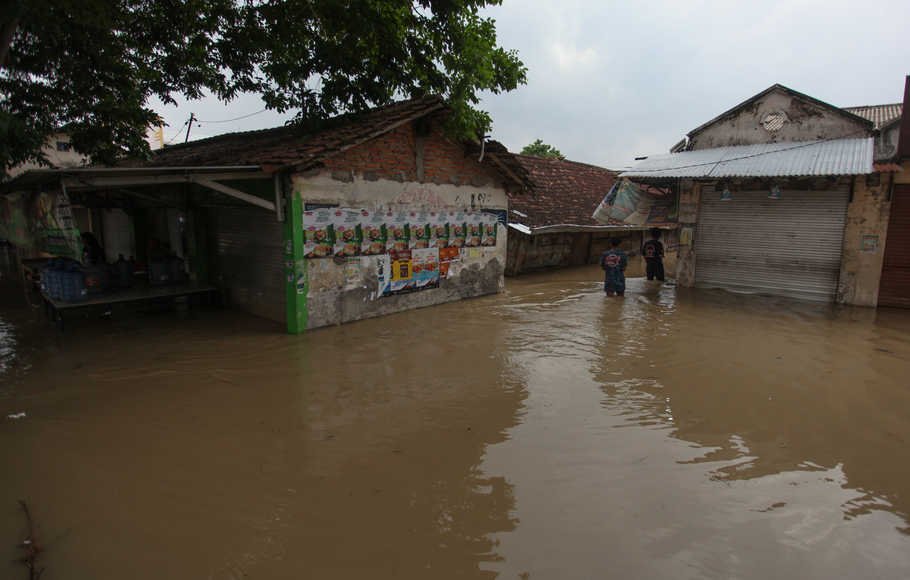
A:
<point x="609" y="81"/>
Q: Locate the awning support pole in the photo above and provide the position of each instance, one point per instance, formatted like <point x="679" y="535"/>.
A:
<point x="235" y="193"/>
<point x="279" y="206"/>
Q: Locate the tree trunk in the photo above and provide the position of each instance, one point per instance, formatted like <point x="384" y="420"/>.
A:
<point x="6" y="37"/>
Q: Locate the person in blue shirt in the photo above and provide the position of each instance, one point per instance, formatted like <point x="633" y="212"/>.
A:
<point x="614" y="262"/>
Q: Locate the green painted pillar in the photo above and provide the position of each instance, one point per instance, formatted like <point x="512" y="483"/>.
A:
<point x="295" y="265"/>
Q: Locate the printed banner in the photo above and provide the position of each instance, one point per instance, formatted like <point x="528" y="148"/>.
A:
<point x="318" y="238"/>
<point x="347" y="230"/>
<point x="425" y="267"/>
<point x="627" y="202"/>
<point x="55" y="229"/>
<point x="373" y="231"/>
<point x="446" y="257"/>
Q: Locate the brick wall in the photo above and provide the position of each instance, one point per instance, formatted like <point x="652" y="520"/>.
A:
<point x="394" y="156"/>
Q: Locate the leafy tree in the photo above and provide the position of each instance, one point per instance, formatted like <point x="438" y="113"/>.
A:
<point x="90" y="66"/>
<point x="540" y="149"/>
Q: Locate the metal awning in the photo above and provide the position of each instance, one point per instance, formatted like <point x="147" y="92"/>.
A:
<point x="791" y="159"/>
<point x="574" y="228"/>
<point x="101" y="178"/>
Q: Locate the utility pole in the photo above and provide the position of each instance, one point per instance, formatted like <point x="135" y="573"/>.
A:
<point x="189" y="126"/>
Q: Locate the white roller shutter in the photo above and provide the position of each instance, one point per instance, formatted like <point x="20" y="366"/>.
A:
<point x="789" y="247"/>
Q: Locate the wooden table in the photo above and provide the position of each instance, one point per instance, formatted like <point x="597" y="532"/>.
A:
<point x="56" y="308"/>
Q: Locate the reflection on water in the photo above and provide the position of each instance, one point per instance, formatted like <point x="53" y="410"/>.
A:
<point x="546" y="432"/>
<point x="698" y="434"/>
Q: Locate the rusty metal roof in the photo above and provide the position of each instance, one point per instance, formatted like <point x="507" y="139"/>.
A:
<point x="880" y="115"/>
<point x="789" y="159"/>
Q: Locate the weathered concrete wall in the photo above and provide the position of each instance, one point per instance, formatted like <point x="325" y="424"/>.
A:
<point x="347" y="291"/>
<point x="529" y="253"/>
<point x="689" y="197"/>
<point x="805" y="121"/>
<point x="560" y="250"/>
<point x="886" y="142"/>
<point x="864" y="241"/>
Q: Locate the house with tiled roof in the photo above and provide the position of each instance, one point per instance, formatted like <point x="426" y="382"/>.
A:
<point x="551" y="223"/>
<point x="886" y="119"/>
<point x="308" y="225"/>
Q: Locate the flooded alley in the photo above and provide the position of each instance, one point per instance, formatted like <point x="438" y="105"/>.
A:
<point x="545" y="432"/>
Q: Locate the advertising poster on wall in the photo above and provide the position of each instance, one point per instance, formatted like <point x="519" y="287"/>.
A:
<point x="473" y="227"/>
<point x="396" y="223"/>
<point x="346" y="227"/>
<point x="490" y="227"/>
<point x="373" y="232"/>
<point x="425" y="267"/>
<point x="318" y="241"/>
<point x="402" y="272"/>
<point x="439" y="229"/>
<point x="456" y="229"/>
<point x="419" y="228"/>
<point x="446" y="257"/>
<point x="383" y="275"/>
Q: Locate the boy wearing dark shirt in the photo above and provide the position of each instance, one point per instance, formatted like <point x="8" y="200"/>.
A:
<point x="653" y="251"/>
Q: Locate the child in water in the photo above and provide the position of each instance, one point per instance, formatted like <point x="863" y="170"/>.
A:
<point x="614" y="262"/>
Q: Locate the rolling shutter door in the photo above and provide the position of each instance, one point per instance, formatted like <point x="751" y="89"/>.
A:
<point x="789" y="247"/>
<point x="895" y="284"/>
<point x="248" y="258"/>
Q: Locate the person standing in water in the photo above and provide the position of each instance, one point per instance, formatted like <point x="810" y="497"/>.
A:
<point x="653" y="251"/>
<point x="614" y="262"/>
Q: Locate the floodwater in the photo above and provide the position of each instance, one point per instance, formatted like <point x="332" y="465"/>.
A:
<point x="547" y="432"/>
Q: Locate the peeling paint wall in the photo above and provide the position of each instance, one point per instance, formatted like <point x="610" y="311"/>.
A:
<point x="864" y="241"/>
<point x="805" y="121"/>
<point x="346" y="290"/>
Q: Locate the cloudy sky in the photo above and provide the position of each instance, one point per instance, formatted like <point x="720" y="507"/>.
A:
<point x="609" y="81"/>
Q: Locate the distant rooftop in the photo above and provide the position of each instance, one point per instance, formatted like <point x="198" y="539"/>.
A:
<point x="880" y="115"/>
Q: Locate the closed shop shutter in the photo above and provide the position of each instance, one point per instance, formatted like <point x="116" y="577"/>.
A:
<point x="788" y="247"/>
<point x="248" y="259"/>
<point x="895" y="285"/>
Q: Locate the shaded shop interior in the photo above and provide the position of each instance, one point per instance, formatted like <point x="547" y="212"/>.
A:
<point x="110" y="236"/>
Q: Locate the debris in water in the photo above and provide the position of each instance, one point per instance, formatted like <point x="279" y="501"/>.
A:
<point x="19" y="415"/>
<point x="30" y="545"/>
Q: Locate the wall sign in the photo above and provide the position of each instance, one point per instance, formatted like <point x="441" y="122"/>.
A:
<point x="870" y="243"/>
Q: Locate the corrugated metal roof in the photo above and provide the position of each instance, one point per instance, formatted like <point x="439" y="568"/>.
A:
<point x="790" y="159"/>
<point x="880" y="115"/>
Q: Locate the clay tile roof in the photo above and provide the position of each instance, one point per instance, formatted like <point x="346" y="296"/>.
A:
<point x="880" y="115"/>
<point x="561" y="192"/>
<point x="292" y="144"/>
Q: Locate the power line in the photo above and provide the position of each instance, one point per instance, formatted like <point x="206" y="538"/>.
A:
<point x="179" y="131"/>
<point x="189" y="125"/>
<point x="234" y="119"/>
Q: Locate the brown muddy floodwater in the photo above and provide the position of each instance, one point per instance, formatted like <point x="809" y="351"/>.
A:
<point x="547" y="432"/>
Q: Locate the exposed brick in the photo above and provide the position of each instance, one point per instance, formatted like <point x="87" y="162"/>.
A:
<point x="346" y="176"/>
